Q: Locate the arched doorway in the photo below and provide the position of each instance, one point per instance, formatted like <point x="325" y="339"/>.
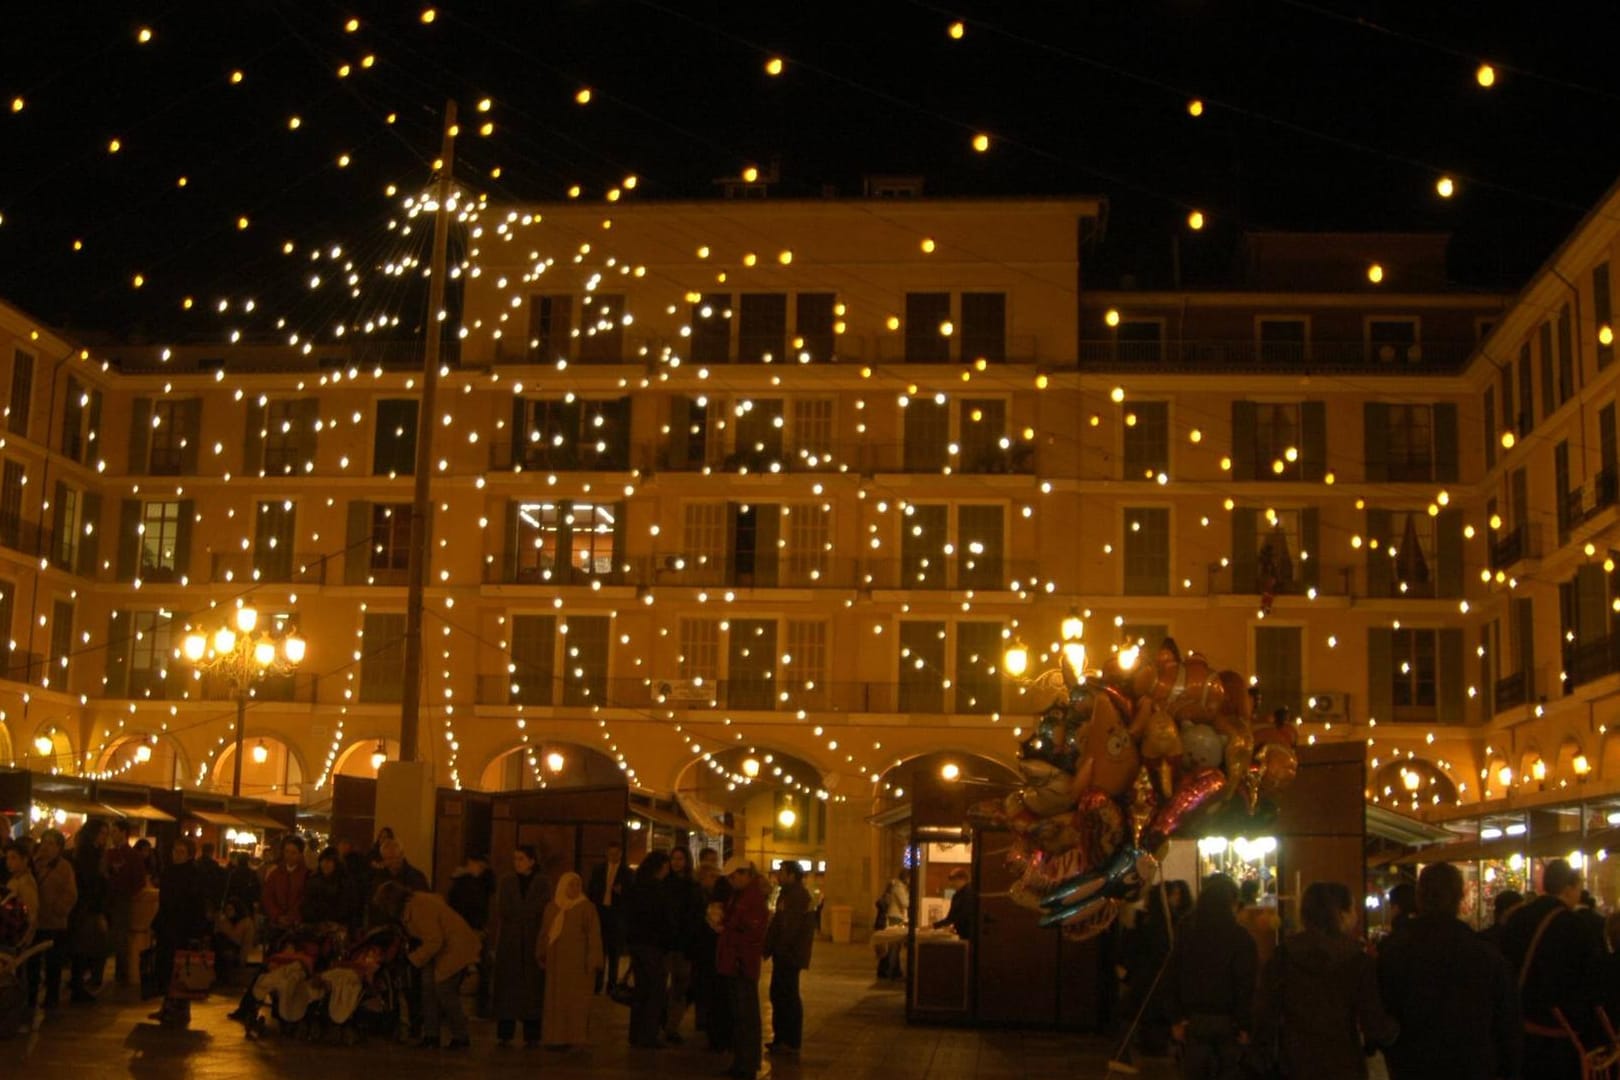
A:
<point x="1413" y="783"/>
<point x="270" y="770"/>
<point x="770" y="804"/>
<point x="144" y="758"/>
<point x="363" y="758"/>
<point x="546" y="764"/>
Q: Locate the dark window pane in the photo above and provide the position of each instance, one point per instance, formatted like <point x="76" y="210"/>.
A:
<point x="711" y="329"/>
<point x="984" y="326"/>
<point x="394" y="445"/>
<point x="762" y="328"/>
<point x="926" y="313"/>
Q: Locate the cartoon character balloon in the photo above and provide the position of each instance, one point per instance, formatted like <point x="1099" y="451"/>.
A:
<point x="1121" y="760"/>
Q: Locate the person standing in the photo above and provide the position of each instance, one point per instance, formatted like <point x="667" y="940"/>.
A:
<point x="284" y="890"/>
<point x="58" y="892"/>
<point x="125" y="877"/>
<point x="1146" y="949"/>
<point x="517" y="974"/>
<point x="20" y="884"/>
<point x="1506" y="903"/>
<point x="896" y="905"/>
<point x="212" y="874"/>
<point x="788" y="941"/>
<point x="685" y="902"/>
<point x="447" y="948"/>
<point x="1558" y="958"/>
<point x="87" y="925"/>
<point x="738" y="955"/>
<point x="393" y="867"/>
<point x="1209" y="984"/>
<point x="1401" y="904"/>
<point x="329" y="896"/>
<point x="650" y="932"/>
<point x="963" y="914"/>
<point x="181" y="920"/>
<point x="713" y="989"/>
<point x="610" y="881"/>
<point x="1452" y="994"/>
<point x="570" y="950"/>
<point x="1322" y="989"/>
<point x="472" y="889"/>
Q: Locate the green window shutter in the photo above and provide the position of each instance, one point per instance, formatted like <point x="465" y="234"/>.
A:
<point x="253" y="439"/>
<point x="1375" y="426"/>
<point x="1445" y="443"/>
<point x="1453" y="692"/>
<point x="120" y="648"/>
<point x="768" y="519"/>
<point x="306" y="414"/>
<point x="1245" y="548"/>
<point x="621" y="512"/>
<point x="1310" y="539"/>
<point x="357" y="543"/>
<point x="190" y="419"/>
<point x="90" y="535"/>
<point x="1313" y="440"/>
<point x="1524" y="614"/>
<point x="510" y="541"/>
<point x="92" y="431"/>
<point x="1487" y="682"/>
<point x="129" y="538"/>
<point x="1380" y="574"/>
<point x="1448" y="548"/>
<point x="140" y="433"/>
<point x="1380" y="674"/>
<point x="1243" y="463"/>
<point x="58" y="524"/>
<point x="182" y="543"/>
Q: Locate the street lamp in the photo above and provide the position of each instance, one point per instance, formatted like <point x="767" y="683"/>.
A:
<point x="244" y="653"/>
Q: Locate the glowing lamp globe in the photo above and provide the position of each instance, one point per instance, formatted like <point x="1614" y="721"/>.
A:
<point x="378" y="756"/>
<point x="555" y="761"/>
<point x="294" y="648"/>
<point x="787" y="817"/>
<point x="246" y="619"/>
<point x="264" y="653"/>
<point x="1074" y="628"/>
<point x="224" y="640"/>
<point x="143" y="754"/>
<point x="950" y="772"/>
<point x="44" y="745"/>
<point x="194" y="647"/>
<point x="261" y="753"/>
<point x="1015" y="661"/>
<point x="750" y="767"/>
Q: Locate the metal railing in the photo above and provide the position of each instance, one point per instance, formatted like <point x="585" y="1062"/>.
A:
<point x="1513" y="691"/>
<point x="542" y="456"/>
<point x="1233" y="356"/>
<point x="241" y="566"/>
<point x="1588" y="661"/>
<point x="748" y="695"/>
<point x="865" y="458"/>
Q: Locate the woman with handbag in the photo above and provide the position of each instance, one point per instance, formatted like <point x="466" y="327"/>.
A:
<point x="181" y="920"/>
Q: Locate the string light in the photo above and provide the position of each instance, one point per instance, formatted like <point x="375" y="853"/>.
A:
<point x="583" y="95"/>
<point x="1445" y="187"/>
<point x="773" y="66"/>
<point x="1485" y="75"/>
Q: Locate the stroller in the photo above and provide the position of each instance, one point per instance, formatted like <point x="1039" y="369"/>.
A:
<point x="321" y="988"/>
<point x="282" y="982"/>
<point x="14" y="1004"/>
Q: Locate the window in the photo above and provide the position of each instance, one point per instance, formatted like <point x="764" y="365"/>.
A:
<point x="982" y="442"/>
<point x="1278" y="656"/>
<point x="1567" y="507"/>
<point x="924" y="540"/>
<point x="1277" y="559"/>
<point x="688" y="433"/>
<point x="1139" y="341"/>
<point x="762" y="328"/>
<point x="711" y="329"/>
<point x="922" y="667"/>
<point x="562" y="543"/>
<point x="1490" y="427"/>
<point x="928" y="434"/>
<point x="551" y="328"/>
<point x="61" y="644"/>
<point x="751" y="664"/>
<point x="601" y="331"/>
<point x="12" y="480"/>
<point x="984" y="326"/>
<point x="8" y="610"/>
<point x="585" y="660"/>
<point x="1566" y="357"/>
<point x="1549" y="388"/>
<point x="289" y="436"/>
<point x="558" y="434"/>
<point x="1411" y="443"/>
<point x="755" y="530"/>
<point x="980" y="535"/>
<point x="703" y="542"/>
<point x="1276" y="441"/>
<point x="1411" y="552"/>
<point x="1416" y="672"/>
<point x="1147" y="551"/>
<point x="809" y="540"/>
<point x="1585" y="619"/>
<point x="1147" y="440"/>
<point x="1393" y="341"/>
<point x="978" y="667"/>
<point x="758" y="432"/>
<point x="20" y="404"/>
<point x="1527" y="381"/>
<point x="533" y="652"/>
<point x="67" y="527"/>
<point x="699" y="658"/>
<point x="1603" y="313"/>
<point x="591" y="545"/>
<point x="812" y="432"/>
<point x="81" y="420"/>
<point x="161" y="526"/>
<point x="1608" y="456"/>
<point x="390" y="540"/>
<point x="816" y="327"/>
<point x="931" y="555"/>
<point x="382" y="661"/>
<point x="174" y="437"/>
<point x="1282" y="340"/>
<point x="150" y="652"/>
<point x="804" y="662"/>
<point x="273" y="541"/>
<point x="394" y="442"/>
<point x="926" y="316"/>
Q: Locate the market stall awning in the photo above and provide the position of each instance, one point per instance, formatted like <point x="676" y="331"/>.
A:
<point x="73" y="804"/>
<point x="215" y="817"/>
<point x="1403" y="829"/>
<point x="659" y="816"/>
<point x="701" y="816"/>
<point x="139" y="811"/>
<point x="257" y="819"/>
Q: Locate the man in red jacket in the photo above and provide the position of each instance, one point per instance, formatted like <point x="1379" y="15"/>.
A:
<point x="738" y="954"/>
<point x="284" y="888"/>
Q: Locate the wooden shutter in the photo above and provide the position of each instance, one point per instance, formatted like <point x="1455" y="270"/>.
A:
<point x="680" y="432"/>
<point x="357" y="546"/>
<point x="510" y="541"/>
<point x="89" y="535"/>
<point x="1380" y="575"/>
<point x="1245" y="548"/>
<point x="92" y="431"/>
<point x="1445" y="443"/>
<point x="1380" y="674"/>
<point x="129" y="538"/>
<point x="621" y="512"/>
<point x="120" y="649"/>
<point x="1313" y="441"/>
<point x="190" y="420"/>
<point x="1448" y="548"/>
<point x="253" y="439"/>
<point x="1243" y="463"/>
<point x="1375" y="428"/>
<point x="306" y="413"/>
<point x="1524" y="615"/>
<point x="140" y="433"/>
<point x="59" y="524"/>
<point x="1310" y="542"/>
<point x="1487" y="681"/>
<point x="1452" y="695"/>
<point x="767" y="530"/>
<point x="182" y="543"/>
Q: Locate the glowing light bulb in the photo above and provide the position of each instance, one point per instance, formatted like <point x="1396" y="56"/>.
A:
<point x="787" y="817"/>
<point x="224" y="640"/>
<point x="378" y="756"/>
<point x="1375" y="273"/>
<point x="1111" y="316"/>
<point x="1485" y="76"/>
<point x="750" y="174"/>
<point x="264" y="653"/>
<point x="773" y="66"/>
<point x="1445" y="187"/>
<point x="1015" y="661"/>
<point x="583" y="95"/>
<point x="981" y="142"/>
<point x="956" y="30"/>
<point x="1195" y="220"/>
<point x="143" y="754"/>
<point x="44" y="745"/>
<point x="750" y="767"/>
<point x="18" y="104"/>
<point x="261" y="753"/>
<point x="927" y="245"/>
<point x="1117" y="394"/>
<point x="237" y="77"/>
<point x="194" y="647"/>
<point x="555" y="761"/>
<point x="294" y="648"/>
<point x="1195" y="107"/>
<point x="351" y="26"/>
<point x="144" y="35"/>
<point x="246" y="619"/>
<point x="1605" y="334"/>
<point x="950" y="772"/>
<point x="428" y="16"/>
<point x="114" y="145"/>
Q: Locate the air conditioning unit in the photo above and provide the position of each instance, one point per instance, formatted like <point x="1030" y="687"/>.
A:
<point x="689" y="691"/>
<point x="1327" y="705"/>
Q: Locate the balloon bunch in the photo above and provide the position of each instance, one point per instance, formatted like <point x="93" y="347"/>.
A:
<point x="1121" y="760"/>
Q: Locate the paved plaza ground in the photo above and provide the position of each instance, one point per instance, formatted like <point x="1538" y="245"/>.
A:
<point x="855" y="1028"/>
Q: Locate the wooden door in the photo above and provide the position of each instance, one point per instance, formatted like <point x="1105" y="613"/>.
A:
<point x="1016" y="966"/>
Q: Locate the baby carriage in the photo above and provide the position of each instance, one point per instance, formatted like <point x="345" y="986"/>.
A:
<point x="364" y="991"/>
<point x="14" y="1003"/>
<point x="283" y="983"/>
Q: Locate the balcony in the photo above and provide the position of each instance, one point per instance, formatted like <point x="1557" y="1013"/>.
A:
<point x="547" y="691"/>
<point x="862" y="457"/>
<point x="1589" y="661"/>
<point x="756" y="695"/>
<point x="1513" y="691"/>
<point x="1252" y="357"/>
<point x="542" y="456"/>
<point x="24" y="536"/>
<point x="18" y="666"/>
<point x="240" y="566"/>
<point x="1510" y="548"/>
<point x="1586" y="502"/>
<point x="607" y="571"/>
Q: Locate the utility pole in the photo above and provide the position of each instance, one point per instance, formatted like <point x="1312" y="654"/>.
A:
<point x="410" y="709"/>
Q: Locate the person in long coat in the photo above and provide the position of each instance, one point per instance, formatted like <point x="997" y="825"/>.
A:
<point x="181" y="920"/>
<point x="570" y="944"/>
<point x="520" y="906"/>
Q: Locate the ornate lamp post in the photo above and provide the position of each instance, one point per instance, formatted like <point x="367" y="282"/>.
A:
<point x="244" y="652"/>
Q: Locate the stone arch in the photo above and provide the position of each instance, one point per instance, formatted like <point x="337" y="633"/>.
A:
<point x="549" y="763"/>
<point x="153" y="758"/>
<point x="969" y="766"/>
<point x="1490" y="778"/>
<point x="355" y="758"/>
<point x="1567" y="768"/>
<point x="1414" y="781"/>
<point x="281" y="777"/>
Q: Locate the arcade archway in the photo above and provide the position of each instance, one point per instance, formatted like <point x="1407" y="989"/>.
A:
<point x="271" y="770"/>
<point x="546" y="764"/>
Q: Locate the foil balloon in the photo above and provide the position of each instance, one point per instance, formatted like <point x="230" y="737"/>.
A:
<point x="1121" y="761"/>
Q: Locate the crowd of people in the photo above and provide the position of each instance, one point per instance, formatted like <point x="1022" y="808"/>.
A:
<point x="1530" y="996"/>
<point x="667" y="939"/>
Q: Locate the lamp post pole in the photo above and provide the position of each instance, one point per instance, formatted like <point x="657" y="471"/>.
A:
<point x="241" y="722"/>
<point x="243" y="654"/>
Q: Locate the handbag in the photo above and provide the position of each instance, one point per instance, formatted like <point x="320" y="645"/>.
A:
<point x="151" y="987"/>
<point x="193" y="974"/>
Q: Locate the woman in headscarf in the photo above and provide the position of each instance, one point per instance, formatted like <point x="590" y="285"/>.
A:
<point x="570" y="950"/>
<point x="520" y="906"/>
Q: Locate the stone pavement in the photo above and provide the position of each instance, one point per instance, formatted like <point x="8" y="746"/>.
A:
<point x="854" y="1028"/>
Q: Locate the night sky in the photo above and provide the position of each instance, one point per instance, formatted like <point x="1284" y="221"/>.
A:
<point x="1320" y="115"/>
